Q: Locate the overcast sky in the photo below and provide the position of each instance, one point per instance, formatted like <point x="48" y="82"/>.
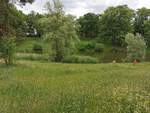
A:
<point x="80" y="7"/>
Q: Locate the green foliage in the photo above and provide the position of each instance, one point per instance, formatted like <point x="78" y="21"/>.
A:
<point x="37" y="48"/>
<point x="99" y="48"/>
<point x="33" y="26"/>
<point x="141" y="16"/>
<point x="142" y="23"/>
<point x="114" y="24"/>
<point x="88" y="26"/>
<point x="136" y="47"/>
<point x="80" y="59"/>
<point x="147" y="32"/>
<point x="17" y="22"/>
<point x="4" y="15"/>
<point x="91" y="47"/>
<point x="85" y="47"/>
<point x="7" y="49"/>
<point x="61" y="32"/>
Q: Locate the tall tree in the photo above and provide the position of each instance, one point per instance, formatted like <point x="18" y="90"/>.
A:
<point x="88" y="25"/>
<point x="141" y="16"/>
<point x="4" y="16"/>
<point x="8" y="20"/>
<point x="115" y="23"/>
<point x="147" y="32"/>
<point x="6" y="9"/>
<point x="61" y="31"/>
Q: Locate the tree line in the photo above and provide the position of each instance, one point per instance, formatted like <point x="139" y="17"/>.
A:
<point x="115" y="23"/>
<point x="64" y="31"/>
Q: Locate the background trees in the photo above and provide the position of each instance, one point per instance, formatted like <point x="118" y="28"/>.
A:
<point x="147" y="32"/>
<point x="102" y="31"/>
<point x="33" y="29"/>
<point x="88" y="26"/>
<point x="141" y="16"/>
<point x="141" y="25"/>
<point x="115" y="23"/>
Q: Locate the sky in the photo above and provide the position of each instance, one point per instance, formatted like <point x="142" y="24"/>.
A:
<point x="81" y="7"/>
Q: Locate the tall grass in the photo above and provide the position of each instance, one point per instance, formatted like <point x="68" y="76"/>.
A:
<point x="34" y="87"/>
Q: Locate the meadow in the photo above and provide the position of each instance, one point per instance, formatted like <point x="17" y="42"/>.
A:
<point x="60" y="61"/>
<point x="43" y="87"/>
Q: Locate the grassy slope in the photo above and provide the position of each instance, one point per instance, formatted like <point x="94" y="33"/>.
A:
<point x="36" y="87"/>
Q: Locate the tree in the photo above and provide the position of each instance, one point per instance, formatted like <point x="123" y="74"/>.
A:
<point x="61" y="31"/>
<point x="136" y="47"/>
<point x="32" y="20"/>
<point x="141" y="16"/>
<point x="23" y="2"/>
<point x="4" y="15"/>
<point x="7" y="49"/>
<point x="115" y="23"/>
<point x="88" y="25"/>
<point x="7" y="24"/>
<point x="10" y="16"/>
<point x="17" y="22"/>
<point x="147" y="32"/>
<point x="142" y="23"/>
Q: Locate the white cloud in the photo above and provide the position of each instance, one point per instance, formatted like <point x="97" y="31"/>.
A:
<point x="80" y="7"/>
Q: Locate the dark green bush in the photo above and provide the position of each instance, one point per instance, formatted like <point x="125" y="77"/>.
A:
<point x="37" y="48"/>
<point x="80" y="59"/>
<point x="90" y="45"/>
<point x="99" y="47"/>
<point x="84" y="47"/>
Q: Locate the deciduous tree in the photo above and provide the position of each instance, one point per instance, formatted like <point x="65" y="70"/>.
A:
<point x="88" y="25"/>
<point x="61" y="31"/>
<point x="115" y="23"/>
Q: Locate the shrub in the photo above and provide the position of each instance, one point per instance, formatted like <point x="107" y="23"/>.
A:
<point x="7" y="49"/>
<point x="37" y="48"/>
<point x="99" y="47"/>
<point x="136" y="47"/>
<point x="90" y="45"/>
<point x="80" y="59"/>
<point x="84" y="47"/>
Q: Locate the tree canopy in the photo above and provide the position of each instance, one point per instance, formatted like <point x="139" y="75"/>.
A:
<point x="88" y="25"/>
<point x="115" y="23"/>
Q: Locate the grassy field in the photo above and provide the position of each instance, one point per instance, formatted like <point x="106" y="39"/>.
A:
<point x="40" y="87"/>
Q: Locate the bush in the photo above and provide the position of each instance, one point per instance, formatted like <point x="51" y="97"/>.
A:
<point x="84" y="47"/>
<point x="136" y="47"/>
<point x="90" y="45"/>
<point x="80" y="59"/>
<point x="37" y="48"/>
<point x="99" y="47"/>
